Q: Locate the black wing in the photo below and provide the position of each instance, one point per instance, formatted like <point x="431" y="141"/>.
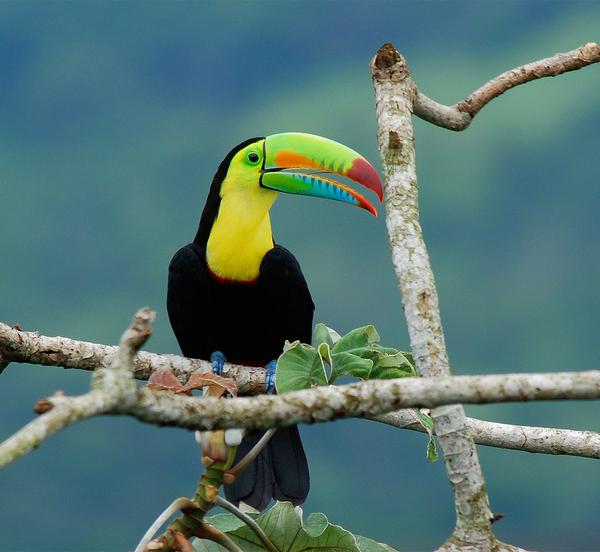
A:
<point x="287" y="295"/>
<point x="189" y="301"/>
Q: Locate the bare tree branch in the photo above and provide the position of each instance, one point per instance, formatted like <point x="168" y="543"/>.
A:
<point x="396" y="98"/>
<point x="395" y="93"/>
<point x="361" y="399"/>
<point x="111" y="386"/>
<point x="544" y="440"/>
<point x="31" y="347"/>
<point x="459" y="116"/>
<point x="320" y="404"/>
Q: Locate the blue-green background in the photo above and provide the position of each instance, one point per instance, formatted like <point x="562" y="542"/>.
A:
<point x="113" y="118"/>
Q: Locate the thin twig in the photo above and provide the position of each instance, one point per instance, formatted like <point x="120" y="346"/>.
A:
<point x="219" y="537"/>
<point x="220" y="501"/>
<point x="175" y="506"/>
<point x="252" y="454"/>
<point x="532" y="439"/>
<point x="459" y="116"/>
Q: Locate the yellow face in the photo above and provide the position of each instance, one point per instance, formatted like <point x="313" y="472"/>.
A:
<point x="242" y="182"/>
<point x="241" y="234"/>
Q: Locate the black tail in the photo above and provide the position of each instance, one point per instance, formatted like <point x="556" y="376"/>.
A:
<point x="280" y="471"/>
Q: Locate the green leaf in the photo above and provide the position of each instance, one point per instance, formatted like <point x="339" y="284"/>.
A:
<point x="427" y="422"/>
<point x="432" y="453"/>
<point x="348" y="364"/>
<point x="299" y="367"/>
<point x="225" y="522"/>
<point x="315" y="524"/>
<point x="323" y="334"/>
<point x="325" y="353"/>
<point x="369" y="545"/>
<point x="360" y="337"/>
<point x="386" y="363"/>
<point x="392" y="364"/>
<point x="284" y="527"/>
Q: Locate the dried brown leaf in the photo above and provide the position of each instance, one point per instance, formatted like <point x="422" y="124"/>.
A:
<point x="165" y="380"/>
<point x="217" y="385"/>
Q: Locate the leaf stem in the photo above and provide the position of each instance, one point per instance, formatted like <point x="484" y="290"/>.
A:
<point x="213" y="534"/>
<point x="175" y="506"/>
<point x="220" y="501"/>
<point x="254" y="452"/>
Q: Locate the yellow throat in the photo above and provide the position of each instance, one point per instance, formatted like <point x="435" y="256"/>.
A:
<point x="241" y="234"/>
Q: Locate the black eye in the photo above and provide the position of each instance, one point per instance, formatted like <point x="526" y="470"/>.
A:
<point x="253" y="157"/>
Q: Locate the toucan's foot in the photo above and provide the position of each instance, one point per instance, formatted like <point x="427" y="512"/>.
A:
<point x="217" y="359"/>
<point x="270" y="371"/>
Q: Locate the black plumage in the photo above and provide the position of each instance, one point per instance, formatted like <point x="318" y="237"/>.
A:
<point x="248" y="323"/>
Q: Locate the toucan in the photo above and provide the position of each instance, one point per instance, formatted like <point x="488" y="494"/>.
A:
<point x="236" y="295"/>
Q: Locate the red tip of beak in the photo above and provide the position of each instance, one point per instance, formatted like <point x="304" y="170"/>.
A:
<point x="363" y="172"/>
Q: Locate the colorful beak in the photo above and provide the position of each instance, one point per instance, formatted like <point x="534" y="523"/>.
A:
<point x="305" y="164"/>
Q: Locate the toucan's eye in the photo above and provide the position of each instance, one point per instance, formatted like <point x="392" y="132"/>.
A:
<point x="253" y="158"/>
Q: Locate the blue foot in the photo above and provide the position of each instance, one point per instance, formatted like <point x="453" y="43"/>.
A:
<point x="217" y="359"/>
<point x="271" y="370"/>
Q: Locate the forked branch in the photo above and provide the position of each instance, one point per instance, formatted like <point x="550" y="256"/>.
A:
<point x="396" y="99"/>
<point x="459" y="116"/>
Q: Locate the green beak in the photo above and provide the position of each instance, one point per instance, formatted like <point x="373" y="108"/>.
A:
<point x="305" y="164"/>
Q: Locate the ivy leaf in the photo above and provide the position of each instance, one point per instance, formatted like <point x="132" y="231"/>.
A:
<point x="284" y="527"/>
<point x="300" y="366"/>
<point x="426" y="421"/>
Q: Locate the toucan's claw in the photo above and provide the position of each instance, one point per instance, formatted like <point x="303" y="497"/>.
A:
<point x="270" y="371"/>
<point x="218" y="360"/>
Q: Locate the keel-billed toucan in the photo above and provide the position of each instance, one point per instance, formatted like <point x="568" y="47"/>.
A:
<point x="235" y="294"/>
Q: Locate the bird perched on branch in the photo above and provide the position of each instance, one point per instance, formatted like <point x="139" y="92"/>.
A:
<point x="236" y="295"/>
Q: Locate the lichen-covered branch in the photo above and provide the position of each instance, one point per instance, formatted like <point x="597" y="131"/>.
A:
<point x="31" y="347"/>
<point x="395" y="93"/>
<point x="111" y="386"/>
<point x="321" y="404"/>
<point x="460" y="115"/>
<point x="56" y="418"/>
<point x="544" y="440"/>
<point x="397" y="97"/>
<point x="361" y="399"/>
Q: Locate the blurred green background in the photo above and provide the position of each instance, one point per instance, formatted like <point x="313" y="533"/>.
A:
<point x="113" y="119"/>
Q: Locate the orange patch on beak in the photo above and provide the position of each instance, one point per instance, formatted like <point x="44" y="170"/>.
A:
<point x="291" y="160"/>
